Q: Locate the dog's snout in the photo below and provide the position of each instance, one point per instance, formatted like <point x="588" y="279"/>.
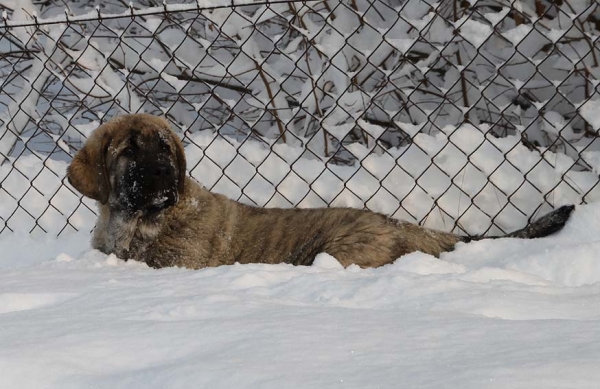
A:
<point x="163" y="171"/>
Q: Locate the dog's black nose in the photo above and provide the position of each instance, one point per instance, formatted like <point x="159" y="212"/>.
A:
<point x="163" y="171"/>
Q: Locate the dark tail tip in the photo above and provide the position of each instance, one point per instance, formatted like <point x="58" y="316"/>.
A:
<point x="546" y="225"/>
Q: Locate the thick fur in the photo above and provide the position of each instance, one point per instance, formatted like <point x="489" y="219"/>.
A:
<point x="173" y="221"/>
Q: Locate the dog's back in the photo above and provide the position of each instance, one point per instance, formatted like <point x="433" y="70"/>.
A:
<point x="352" y="236"/>
<point x="205" y="229"/>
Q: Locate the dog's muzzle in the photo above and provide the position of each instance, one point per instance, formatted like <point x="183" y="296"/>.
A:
<point x="149" y="188"/>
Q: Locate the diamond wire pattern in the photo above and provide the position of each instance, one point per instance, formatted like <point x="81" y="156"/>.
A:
<point x="240" y="72"/>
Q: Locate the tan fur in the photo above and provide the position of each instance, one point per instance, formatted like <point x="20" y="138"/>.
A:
<point x="205" y="229"/>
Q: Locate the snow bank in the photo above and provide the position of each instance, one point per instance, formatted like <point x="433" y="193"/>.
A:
<point x="497" y="313"/>
<point x="458" y="175"/>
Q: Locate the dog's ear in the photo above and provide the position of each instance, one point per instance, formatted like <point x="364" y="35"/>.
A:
<point x="181" y="164"/>
<point x="88" y="172"/>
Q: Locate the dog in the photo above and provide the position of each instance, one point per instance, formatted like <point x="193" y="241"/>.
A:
<point x="151" y="211"/>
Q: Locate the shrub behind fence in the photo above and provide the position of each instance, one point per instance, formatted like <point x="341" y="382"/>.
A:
<point x="471" y="116"/>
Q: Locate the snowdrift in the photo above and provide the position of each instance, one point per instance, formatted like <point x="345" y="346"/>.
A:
<point x="497" y="313"/>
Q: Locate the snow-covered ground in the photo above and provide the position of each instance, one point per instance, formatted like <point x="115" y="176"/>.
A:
<point x="492" y="314"/>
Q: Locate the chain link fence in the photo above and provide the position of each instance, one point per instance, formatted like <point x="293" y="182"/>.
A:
<point x="463" y="115"/>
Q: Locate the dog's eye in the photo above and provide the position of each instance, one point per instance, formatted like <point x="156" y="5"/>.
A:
<point x="164" y="146"/>
<point x="127" y="151"/>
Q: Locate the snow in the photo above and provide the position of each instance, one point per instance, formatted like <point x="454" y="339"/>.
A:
<point x="554" y="124"/>
<point x="404" y="45"/>
<point x="589" y="111"/>
<point x="473" y="31"/>
<point x="517" y="34"/>
<point x="555" y="35"/>
<point x="496" y="17"/>
<point x="496" y="313"/>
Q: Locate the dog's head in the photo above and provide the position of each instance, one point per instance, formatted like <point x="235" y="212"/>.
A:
<point x="133" y="163"/>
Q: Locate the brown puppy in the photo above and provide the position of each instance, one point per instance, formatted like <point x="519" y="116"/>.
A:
<point x="134" y="166"/>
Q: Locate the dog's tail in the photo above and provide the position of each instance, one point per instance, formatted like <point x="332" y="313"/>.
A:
<point x="544" y="226"/>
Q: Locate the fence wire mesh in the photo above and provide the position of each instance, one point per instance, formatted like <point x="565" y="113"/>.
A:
<point x="468" y="116"/>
